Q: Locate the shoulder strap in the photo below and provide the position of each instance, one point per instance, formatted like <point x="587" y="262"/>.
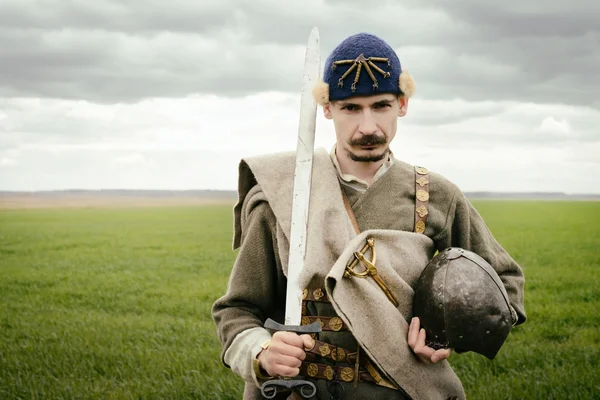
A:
<point x="350" y="212"/>
<point x="421" y="198"/>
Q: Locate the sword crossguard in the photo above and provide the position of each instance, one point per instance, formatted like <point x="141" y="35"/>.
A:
<point x="315" y="327"/>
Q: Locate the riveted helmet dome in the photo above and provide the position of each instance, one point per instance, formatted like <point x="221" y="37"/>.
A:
<point x="462" y="303"/>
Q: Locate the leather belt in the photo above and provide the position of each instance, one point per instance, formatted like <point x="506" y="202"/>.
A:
<point x="331" y="352"/>
<point x="317" y="294"/>
<point x="334" y="324"/>
<point x="363" y="370"/>
<point x="330" y="373"/>
<point x="367" y="371"/>
<point x="341" y="373"/>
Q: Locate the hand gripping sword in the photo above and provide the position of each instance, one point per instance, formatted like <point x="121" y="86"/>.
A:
<point x="299" y="223"/>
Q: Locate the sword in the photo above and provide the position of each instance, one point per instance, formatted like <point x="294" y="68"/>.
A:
<point x="299" y="223"/>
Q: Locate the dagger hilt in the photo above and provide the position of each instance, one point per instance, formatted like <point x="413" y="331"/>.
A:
<point x="272" y="387"/>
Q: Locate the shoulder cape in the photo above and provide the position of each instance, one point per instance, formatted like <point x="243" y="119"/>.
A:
<point x="379" y="327"/>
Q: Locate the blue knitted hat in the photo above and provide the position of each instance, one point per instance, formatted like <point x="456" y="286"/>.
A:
<point x="362" y="65"/>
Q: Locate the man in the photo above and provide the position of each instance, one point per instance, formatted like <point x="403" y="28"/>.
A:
<point x="367" y="207"/>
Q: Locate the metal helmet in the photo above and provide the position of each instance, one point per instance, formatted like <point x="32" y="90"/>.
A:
<point x="462" y="303"/>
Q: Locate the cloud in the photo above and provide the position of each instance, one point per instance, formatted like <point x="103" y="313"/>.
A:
<point x="140" y="95"/>
<point x="484" y="124"/>
<point x="6" y="162"/>
<point x="134" y="159"/>
<point x="110" y="52"/>
<point x="552" y="126"/>
<point x="197" y="142"/>
<point x="110" y="67"/>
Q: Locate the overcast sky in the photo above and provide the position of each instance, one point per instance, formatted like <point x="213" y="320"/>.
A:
<point x="170" y="95"/>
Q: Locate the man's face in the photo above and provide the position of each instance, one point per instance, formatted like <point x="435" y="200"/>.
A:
<point x="365" y="126"/>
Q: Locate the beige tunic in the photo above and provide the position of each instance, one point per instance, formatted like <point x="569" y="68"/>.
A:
<point x="257" y="284"/>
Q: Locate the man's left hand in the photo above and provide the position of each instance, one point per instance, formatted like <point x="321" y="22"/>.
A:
<point x="416" y="341"/>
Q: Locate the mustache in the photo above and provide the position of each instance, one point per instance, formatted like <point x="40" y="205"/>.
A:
<point x="368" y="140"/>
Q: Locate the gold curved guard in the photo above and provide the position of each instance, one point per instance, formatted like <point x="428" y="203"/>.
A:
<point x="370" y="269"/>
<point x="357" y="254"/>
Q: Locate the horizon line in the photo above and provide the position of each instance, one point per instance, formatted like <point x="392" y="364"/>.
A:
<point x="233" y="191"/>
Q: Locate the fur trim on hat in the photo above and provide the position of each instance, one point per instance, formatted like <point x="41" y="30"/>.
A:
<point x="321" y="93"/>
<point x="407" y="84"/>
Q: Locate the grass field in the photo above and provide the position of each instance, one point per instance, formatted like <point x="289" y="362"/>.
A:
<point x="115" y="303"/>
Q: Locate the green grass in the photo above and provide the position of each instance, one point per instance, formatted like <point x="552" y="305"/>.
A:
<point x="115" y="303"/>
<point x="556" y="353"/>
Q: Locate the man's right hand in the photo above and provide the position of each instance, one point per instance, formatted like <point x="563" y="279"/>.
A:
<point x="416" y="341"/>
<point x="285" y="354"/>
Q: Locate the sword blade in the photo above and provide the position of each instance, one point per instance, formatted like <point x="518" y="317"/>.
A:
<point x="302" y="180"/>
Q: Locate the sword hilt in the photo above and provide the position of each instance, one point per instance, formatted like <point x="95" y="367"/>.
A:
<point x="307" y="389"/>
